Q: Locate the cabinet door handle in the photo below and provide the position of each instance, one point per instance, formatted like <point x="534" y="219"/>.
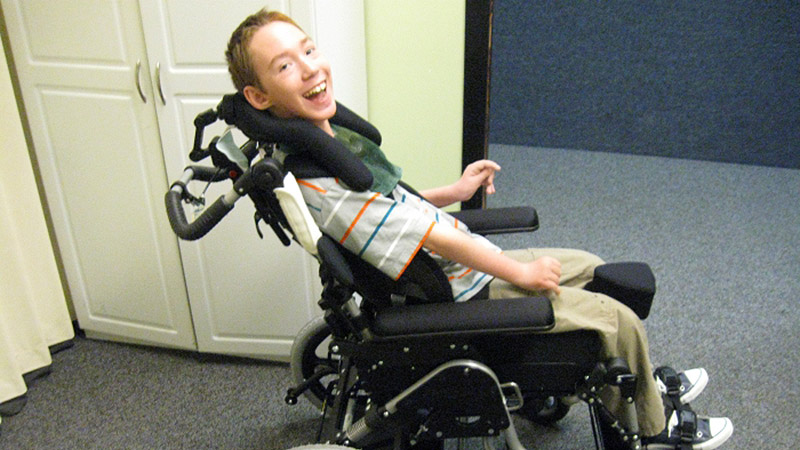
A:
<point x="158" y="83"/>
<point x="139" y="82"/>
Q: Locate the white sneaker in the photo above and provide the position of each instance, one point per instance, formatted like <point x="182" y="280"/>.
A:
<point x="708" y="433"/>
<point x="692" y="383"/>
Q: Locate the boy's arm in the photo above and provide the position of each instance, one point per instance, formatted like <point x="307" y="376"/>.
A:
<point x="541" y="274"/>
<point x="480" y="173"/>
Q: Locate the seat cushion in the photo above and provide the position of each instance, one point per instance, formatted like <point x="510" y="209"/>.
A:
<point x="500" y="316"/>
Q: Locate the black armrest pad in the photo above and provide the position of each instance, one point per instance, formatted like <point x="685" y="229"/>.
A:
<point x="483" y="316"/>
<point x="631" y="283"/>
<point x="499" y="220"/>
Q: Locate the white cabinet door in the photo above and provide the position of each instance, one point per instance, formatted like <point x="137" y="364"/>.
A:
<point x="248" y="296"/>
<point x="83" y="74"/>
<point x="111" y="90"/>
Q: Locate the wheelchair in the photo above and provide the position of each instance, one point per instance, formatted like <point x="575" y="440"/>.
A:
<point x="398" y="364"/>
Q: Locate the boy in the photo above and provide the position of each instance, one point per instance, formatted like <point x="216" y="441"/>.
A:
<point x="277" y="67"/>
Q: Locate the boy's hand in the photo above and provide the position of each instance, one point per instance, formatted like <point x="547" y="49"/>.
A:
<point x="480" y="173"/>
<point x="542" y="274"/>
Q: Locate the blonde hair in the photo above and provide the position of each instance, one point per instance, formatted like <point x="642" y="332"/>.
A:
<point x="240" y="64"/>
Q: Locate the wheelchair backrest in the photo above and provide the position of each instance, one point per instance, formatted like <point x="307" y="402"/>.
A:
<point x="323" y="156"/>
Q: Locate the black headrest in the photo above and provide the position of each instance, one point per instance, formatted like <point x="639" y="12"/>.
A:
<point x="300" y="134"/>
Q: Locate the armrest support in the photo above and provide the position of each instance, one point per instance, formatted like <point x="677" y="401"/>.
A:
<point x="495" y="220"/>
<point x="500" y="220"/>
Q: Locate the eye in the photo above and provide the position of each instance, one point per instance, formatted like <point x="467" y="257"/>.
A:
<point x="310" y="50"/>
<point x="283" y="66"/>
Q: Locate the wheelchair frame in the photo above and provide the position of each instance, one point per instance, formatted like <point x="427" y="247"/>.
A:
<point x="381" y="383"/>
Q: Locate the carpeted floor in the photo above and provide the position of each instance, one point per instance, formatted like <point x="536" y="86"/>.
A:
<point x="723" y="239"/>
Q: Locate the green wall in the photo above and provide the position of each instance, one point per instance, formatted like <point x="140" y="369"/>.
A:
<point x="415" y="73"/>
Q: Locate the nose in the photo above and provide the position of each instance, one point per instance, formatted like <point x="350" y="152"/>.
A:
<point x="309" y="67"/>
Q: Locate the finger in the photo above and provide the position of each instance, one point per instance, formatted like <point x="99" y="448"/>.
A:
<point x="486" y="164"/>
<point x="489" y="163"/>
<point x="550" y="285"/>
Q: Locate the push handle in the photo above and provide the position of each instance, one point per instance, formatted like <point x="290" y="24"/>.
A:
<point x="202" y="225"/>
<point x="210" y="216"/>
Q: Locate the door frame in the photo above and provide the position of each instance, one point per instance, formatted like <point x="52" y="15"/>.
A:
<point x="477" y="82"/>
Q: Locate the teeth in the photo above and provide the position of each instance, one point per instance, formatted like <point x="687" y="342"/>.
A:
<point x="317" y="90"/>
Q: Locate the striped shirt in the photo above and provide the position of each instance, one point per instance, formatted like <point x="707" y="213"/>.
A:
<point x="387" y="231"/>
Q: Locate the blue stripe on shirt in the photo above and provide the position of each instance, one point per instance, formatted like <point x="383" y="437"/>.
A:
<point x="375" y="233"/>
<point x="474" y="285"/>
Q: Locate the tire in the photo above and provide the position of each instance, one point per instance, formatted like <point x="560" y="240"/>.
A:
<point x="544" y="411"/>
<point x="321" y="447"/>
<point x="309" y="352"/>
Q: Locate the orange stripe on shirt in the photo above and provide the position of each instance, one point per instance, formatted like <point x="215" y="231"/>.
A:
<point x="312" y="186"/>
<point x="416" y="250"/>
<point x="453" y="277"/>
<point x="358" y="217"/>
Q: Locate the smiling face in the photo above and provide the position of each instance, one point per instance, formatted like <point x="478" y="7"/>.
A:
<point x="294" y="77"/>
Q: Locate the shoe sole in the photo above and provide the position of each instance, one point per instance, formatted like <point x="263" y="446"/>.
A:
<point x="718" y="439"/>
<point x="697" y="388"/>
<point x="722" y="435"/>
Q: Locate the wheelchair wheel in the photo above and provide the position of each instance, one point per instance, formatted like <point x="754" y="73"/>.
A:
<point x="544" y="411"/>
<point x="321" y="447"/>
<point x="309" y="355"/>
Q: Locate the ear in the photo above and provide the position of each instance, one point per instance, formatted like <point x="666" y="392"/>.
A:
<point x="257" y="98"/>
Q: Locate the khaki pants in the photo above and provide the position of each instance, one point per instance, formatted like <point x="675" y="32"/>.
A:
<point x="621" y="332"/>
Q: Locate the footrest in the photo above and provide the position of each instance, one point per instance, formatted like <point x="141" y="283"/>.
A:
<point x="631" y="283"/>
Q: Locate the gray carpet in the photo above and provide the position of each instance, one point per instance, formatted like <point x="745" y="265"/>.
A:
<point x="723" y="239"/>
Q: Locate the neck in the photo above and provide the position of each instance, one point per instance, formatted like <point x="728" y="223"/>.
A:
<point x="325" y="125"/>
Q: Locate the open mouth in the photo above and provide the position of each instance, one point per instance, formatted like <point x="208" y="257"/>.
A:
<point x="318" y="89"/>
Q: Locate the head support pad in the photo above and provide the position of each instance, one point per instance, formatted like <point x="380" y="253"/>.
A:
<point x="323" y="149"/>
